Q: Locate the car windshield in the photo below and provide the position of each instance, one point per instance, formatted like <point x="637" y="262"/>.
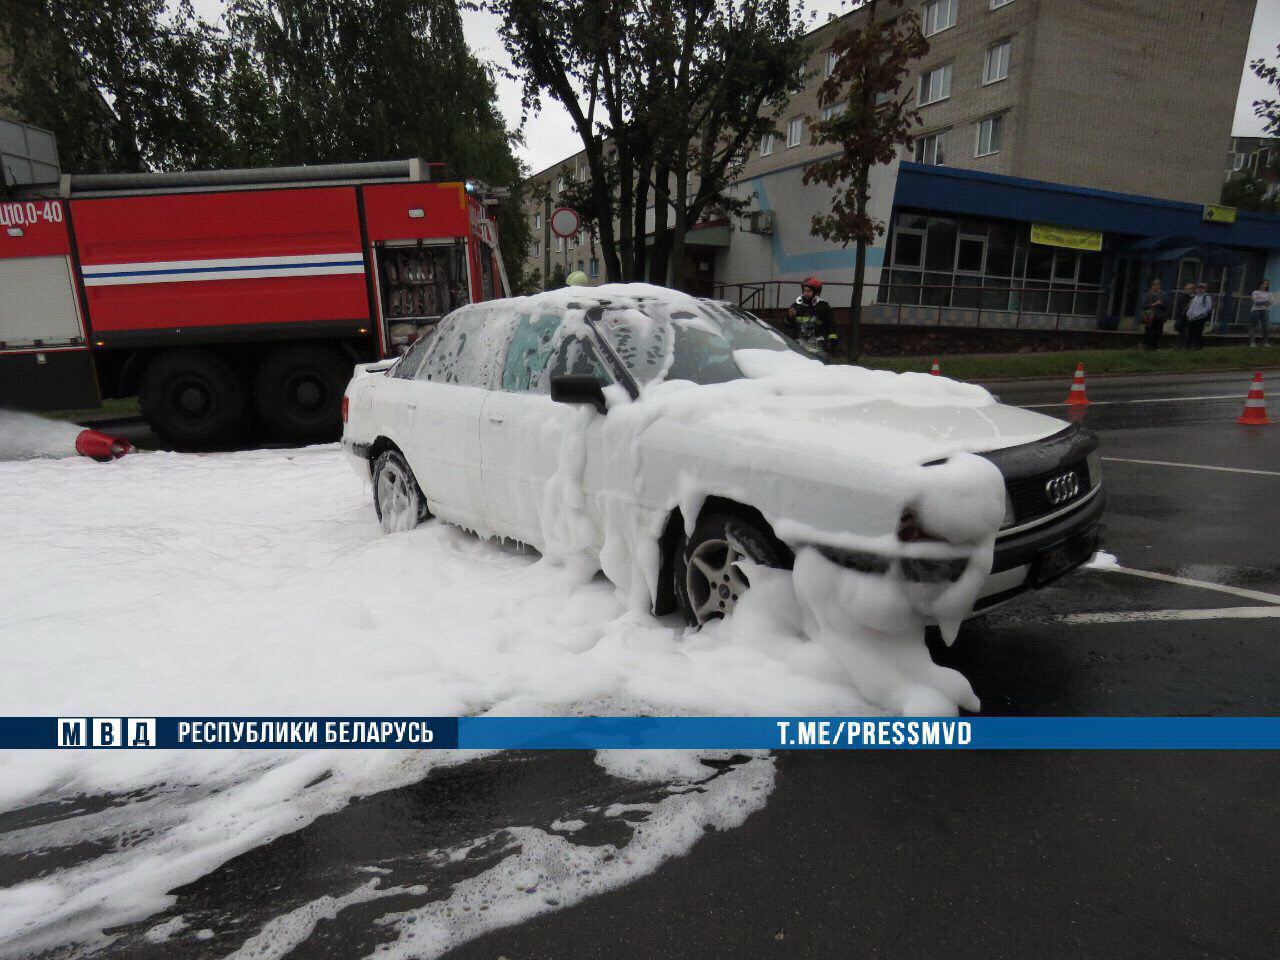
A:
<point x="659" y="341"/>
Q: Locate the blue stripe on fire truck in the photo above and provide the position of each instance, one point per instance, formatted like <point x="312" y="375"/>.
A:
<point x="113" y="274"/>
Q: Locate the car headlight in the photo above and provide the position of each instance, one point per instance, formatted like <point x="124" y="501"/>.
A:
<point x="1094" y="463"/>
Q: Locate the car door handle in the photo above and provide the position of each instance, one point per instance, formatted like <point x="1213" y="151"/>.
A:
<point x="497" y="419"/>
<point x="411" y="406"/>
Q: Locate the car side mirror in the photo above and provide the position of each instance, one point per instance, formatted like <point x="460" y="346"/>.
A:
<point x="578" y="388"/>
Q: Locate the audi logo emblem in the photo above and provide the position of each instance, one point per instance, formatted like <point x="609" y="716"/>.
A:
<point x="1063" y="488"/>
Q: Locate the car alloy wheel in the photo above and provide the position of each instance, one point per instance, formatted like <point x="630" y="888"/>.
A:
<point x="713" y="581"/>
<point x="709" y="582"/>
<point x="399" y="502"/>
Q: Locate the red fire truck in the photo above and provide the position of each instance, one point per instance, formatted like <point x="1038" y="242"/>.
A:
<point x="225" y="297"/>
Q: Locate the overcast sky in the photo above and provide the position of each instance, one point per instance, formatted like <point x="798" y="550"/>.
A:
<point x="549" y="136"/>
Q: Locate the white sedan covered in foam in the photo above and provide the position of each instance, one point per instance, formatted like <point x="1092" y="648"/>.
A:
<point x="680" y="445"/>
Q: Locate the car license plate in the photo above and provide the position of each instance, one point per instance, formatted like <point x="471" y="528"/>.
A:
<point x="1070" y="553"/>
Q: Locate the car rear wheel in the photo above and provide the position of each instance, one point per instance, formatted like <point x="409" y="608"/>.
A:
<point x="706" y="581"/>
<point x="397" y="497"/>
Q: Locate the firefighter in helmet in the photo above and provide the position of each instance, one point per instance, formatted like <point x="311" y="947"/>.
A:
<point x="810" y="319"/>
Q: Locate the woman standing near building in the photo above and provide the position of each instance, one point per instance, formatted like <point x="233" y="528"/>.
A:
<point x="1155" y="311"/>
<point x="1260" y="315"/>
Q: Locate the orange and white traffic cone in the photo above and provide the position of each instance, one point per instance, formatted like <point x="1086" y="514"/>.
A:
<point x="1077" y="395"/>
<point x="1255" y="405"/>
<point x="935" y="371"/>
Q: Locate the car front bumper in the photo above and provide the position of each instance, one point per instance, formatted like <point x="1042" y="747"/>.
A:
<point x="1027" y="559"/>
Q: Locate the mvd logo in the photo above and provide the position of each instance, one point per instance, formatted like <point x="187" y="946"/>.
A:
<point x="106" y="731"/>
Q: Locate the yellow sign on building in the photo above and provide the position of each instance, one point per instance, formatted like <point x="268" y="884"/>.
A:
<point x="1217" y="214"/>
<point x="1052" y="236"/>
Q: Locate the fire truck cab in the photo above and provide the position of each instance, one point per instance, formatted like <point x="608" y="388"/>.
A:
<point x="224" y="298"/>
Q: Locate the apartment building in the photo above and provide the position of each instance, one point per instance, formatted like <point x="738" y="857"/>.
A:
<point x="1127" y="96"/>
<point x="1254" y="157"/>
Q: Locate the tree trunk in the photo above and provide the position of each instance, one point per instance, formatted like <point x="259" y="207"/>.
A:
<point x="660" y="255"/>
<point x="640" y="201"/>
<point x="681" y="227"/>
<point x="853" y="347"/>
<point x="626" y="198"/>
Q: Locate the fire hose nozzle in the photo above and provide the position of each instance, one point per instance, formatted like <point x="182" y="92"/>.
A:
<point x="98" y="446"/>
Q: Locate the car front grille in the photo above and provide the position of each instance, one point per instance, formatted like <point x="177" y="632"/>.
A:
<point x="1031" y="495"/>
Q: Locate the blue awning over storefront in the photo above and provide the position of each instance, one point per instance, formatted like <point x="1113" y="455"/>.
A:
<point x="1169" y="222"/>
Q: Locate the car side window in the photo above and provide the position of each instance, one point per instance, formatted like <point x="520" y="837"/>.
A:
<point x="409" y="364"/>
<point x="533" y="345"/>
<point x="470" y="348"/>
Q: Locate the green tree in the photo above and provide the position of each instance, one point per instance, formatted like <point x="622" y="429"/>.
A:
<point x="123" y="84"/>
<point x="1248" y="192"/>
<point x="874" y="51"/>
<point x="665" y="95"/>
<point x="334" y="81"/>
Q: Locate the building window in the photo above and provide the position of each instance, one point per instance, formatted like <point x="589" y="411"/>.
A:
<point x="537" y="221"/>
<point x="580" y="266"/>
<point x="988" y="265"/>
<point x="795" y="130"/>
<point x="834" y="110"/>
<point x="990" y="131"/>
<point x="932" y="148"/>
<point x="595" y="267"/>
<point x="831" y="63"/>
<point x="559" y="244"/>
<point x="997" y="4"/>
<point x="935" y="85"/>
<point x="938" y="16"/>
<point x="537" y="248"/>
<point x="766" y="145"/>
<point x="996" y="66"/>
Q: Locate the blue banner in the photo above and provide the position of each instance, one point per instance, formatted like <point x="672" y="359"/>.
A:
<point x="592" y="733"/>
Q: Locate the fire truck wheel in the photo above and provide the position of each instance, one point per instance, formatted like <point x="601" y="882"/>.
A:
<point x="298" y="392"/>
<point x="192" y="396"/>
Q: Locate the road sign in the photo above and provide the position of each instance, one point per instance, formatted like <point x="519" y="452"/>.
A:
<point x="565" y="222"/>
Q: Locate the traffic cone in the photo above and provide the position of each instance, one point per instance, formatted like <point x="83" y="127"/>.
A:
<point x="100" y="447"/>
<point x="1077" y="394"/>
<point x="1255" y="406"/>
<point x="935" y="371"/>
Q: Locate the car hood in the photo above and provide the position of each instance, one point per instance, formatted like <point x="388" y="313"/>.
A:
<point x="911" y="430"/>
<point x="790" y="403"/>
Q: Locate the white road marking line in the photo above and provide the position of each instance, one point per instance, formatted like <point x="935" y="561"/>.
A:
<point x="1194" y="466"/>
<point x="1140" y="616"/>
<point x="1187" y="582"/>
<point x="1101" y="403"/>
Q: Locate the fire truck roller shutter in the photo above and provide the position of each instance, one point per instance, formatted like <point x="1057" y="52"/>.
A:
<point x="191" y="396"/>
<point x="297" y="391"/>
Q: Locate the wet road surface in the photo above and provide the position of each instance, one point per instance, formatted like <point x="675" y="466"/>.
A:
<point x="972" y="854"/>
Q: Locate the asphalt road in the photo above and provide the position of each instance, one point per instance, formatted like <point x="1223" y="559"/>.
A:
<point x="972" y="854"/>
<point x="1038" y="854"/>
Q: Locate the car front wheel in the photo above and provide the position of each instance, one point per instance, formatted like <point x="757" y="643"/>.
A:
<point x="396" y="495"/>
<point x="707" y="582"/>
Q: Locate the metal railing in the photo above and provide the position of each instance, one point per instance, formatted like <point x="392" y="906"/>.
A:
<point x="936" y="306"/>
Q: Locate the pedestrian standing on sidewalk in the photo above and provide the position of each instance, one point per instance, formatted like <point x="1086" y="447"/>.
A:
<point x="1155" y="311"/>
<point x="1199" y="310"/>
<point x="1180" y="304"/>
<point x="1260" y="315"/>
